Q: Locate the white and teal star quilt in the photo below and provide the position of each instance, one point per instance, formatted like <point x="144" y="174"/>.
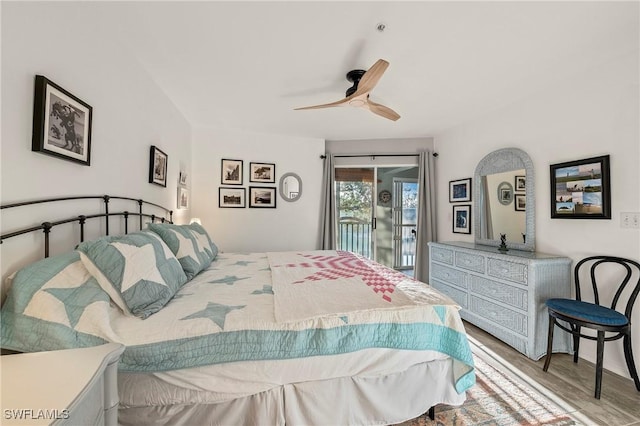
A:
<point x="242" y="307"/>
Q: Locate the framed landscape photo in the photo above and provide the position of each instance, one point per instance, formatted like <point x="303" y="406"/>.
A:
<point x="182" y="179"/>
<point x="520" y="203"/>
<point x="61" y="123"/>
<point x="460" y="190"/>
<point x="261" y="196"/>
<point x="462" y="219"/>
<point x="232" y="197"/>
<point x="157" y="166"/>
<point x="262" y="172"/>
<point x="183" y="198"/>
<point x="581" y="189"/>
<point x="231" y="172"/>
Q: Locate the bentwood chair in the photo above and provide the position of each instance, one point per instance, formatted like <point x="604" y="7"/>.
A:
<point x="579" y="314"/>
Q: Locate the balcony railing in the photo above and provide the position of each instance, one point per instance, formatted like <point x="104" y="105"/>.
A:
<point x="354" y="235"/>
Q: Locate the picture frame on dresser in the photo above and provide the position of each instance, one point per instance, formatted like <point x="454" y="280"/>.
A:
<point x="61" y="123"/>
<point x="460" y="190"/>
<point x="581" y="189"/>
<point x="462" y="219"/>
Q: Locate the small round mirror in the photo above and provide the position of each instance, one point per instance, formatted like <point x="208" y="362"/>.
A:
<point x="290" y="187"/>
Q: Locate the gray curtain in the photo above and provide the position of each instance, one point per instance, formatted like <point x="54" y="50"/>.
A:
<point x="426" y="230"/>
<point x="328" y="223"/>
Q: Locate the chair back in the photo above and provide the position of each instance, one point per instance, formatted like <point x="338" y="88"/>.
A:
<point x="631" y="275"/>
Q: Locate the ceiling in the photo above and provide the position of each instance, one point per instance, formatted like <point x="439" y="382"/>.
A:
<point x="249" y="64"/>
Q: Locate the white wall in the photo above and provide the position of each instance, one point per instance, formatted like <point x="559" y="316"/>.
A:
<point x="291" y="225"/>
<point x="130" y="113"/>
<point x="590" y="114"/>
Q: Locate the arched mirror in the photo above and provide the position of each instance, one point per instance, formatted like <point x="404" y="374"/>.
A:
<point x="290" y="187"/>
<point x="503" y="189"/>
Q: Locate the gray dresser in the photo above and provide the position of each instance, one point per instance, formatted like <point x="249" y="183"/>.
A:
<point x="503" y="294"/>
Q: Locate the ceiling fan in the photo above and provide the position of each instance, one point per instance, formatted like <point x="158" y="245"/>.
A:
<point x="358" y="94"/>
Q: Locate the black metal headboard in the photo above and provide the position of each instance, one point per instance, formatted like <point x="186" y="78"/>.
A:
<point x="46" y="227"/>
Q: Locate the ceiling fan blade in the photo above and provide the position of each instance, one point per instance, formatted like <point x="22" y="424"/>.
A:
<point x="341" y="102"/>
<point x="383" y="111"/>
<point x="370" y="78"/>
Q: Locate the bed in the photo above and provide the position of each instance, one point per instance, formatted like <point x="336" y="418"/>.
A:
<point x="300" y="337"/>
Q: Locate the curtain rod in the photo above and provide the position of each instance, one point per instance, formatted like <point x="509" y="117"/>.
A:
<point x="435" y="154"/>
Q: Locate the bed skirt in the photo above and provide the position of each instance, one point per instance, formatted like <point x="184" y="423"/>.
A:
<point x="356" y="400"/>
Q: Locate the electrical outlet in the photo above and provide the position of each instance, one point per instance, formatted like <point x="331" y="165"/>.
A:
<point x="630" y="220"/>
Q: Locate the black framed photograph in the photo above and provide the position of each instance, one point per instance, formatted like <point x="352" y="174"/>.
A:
<point x="231" y="172"/>
<point x="460" y="190"/>
<point x="61" y="123"/>
<point x="232" y="197"/>
<point x="262" y="196"/>
<point x="183" y="198"/>
<point x="520" y="183"/>
<point x="262" y="172"/>
<point x="520" y="202"/>
<point x="157" y="166"/>
<point x="462" y="219"/>
<point x="581" y="189"/>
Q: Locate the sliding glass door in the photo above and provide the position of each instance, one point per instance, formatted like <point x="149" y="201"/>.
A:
<point x="405" y="220"/>
<point x="354" y="199"/>
<point x="376" y="212"/>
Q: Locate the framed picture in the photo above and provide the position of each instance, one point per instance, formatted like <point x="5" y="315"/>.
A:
<point x="231" y="172"/>
<point x="460" y="190"/>
<point x="520" y="183"/>
<point x="520" y="203"/>
<point x="232" y="197"/>
<point x="581" y="189"/>
<point x="262" y="172"/>
<point x="157" y="166"/>
<point x="260" y="196"/>
<point x="462" y="219"/>
<point x="61" y="123"/>
<point x="505" y="193"/>
<point x="182" y="179"/>
<point x="183" y="198"/>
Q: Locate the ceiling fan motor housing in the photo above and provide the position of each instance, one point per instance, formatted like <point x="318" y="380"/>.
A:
<point x="354" y="77"/>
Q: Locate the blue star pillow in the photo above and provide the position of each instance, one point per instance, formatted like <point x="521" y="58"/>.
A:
<point x="46" y="303"/>
<point x="190" y="243"/>
<point x="137" y="270"/>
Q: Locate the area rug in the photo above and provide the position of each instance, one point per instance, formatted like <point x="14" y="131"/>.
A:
<point x="502" y="397"/>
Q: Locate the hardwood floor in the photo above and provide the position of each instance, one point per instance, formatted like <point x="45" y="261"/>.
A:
<point x="619" y="404"/>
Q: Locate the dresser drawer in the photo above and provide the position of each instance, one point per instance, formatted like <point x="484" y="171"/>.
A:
<point x="505" y="293"/>
<point x="507" y="318"/>
<point x="449" y="275"/>
<point x="516" y="272"/>
<point x="470" y="261"/>
<point x="442" y="255"/>
<point x="459" y="296"/>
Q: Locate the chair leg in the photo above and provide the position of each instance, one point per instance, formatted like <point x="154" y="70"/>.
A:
<point x="599" y="359"/>
<point x="547" y="361"/>
<point x="576" y="342"/>
<point x="628" y="355"/>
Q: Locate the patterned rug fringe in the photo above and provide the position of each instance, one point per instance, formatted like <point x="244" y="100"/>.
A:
<point x="502" y="396"/>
